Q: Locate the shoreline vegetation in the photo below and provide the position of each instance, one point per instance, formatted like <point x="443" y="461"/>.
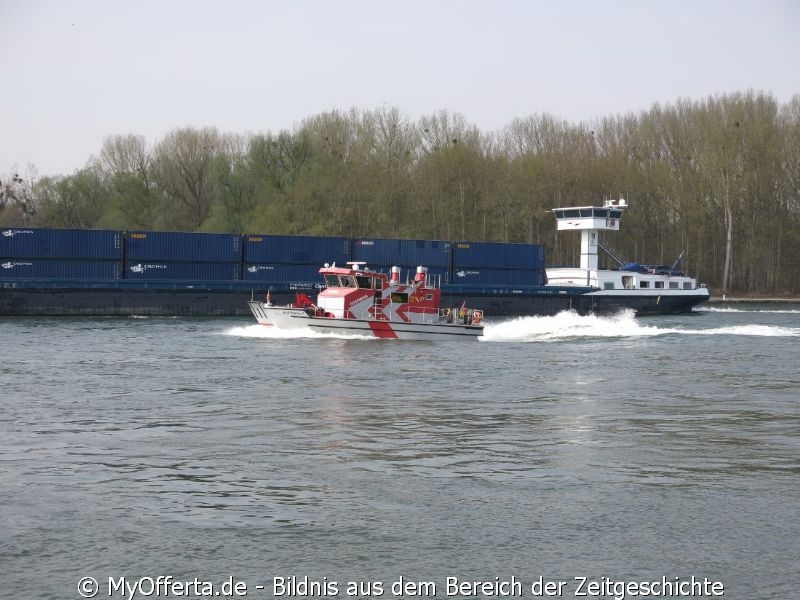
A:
<point x="715" y="181"/>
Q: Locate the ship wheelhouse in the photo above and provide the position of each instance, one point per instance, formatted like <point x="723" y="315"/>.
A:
<point x="590" y="220"/>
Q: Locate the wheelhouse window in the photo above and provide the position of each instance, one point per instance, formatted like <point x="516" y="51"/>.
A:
<point x="348" y="281"/>
<point x="364" y="282"/>
<point x="399" y="297"/>
<point x="332" y="281"/>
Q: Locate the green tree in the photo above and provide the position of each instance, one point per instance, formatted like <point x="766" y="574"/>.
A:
<point x="78" y="201"/>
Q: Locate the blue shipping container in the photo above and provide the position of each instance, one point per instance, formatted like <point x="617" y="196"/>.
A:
<point x="407" y="272"/>
<point x="294" y="249"/>
<point x="498" y="277"/>
<point x="278" y="272"/>
<point x="184" y="271"/>
<point x="91" y="244"/>
<point x="59" y="269"/>
<point x="428" y="253"/>
<point x="178" y="246"/>
<point x="497" y="255"/>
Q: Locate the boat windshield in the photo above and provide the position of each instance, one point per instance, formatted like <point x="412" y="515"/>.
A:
<point x="348" y="281"/>
<point x="364" y="282"/>
<point x="332" y="280"/>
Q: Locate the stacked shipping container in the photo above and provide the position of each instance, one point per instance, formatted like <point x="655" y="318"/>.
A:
<point x="495" y="263"/>
<point x="60" y="254"/>
<point x="263" y="259"/>
<point x="281" y="258"/>
<point x="182" y="256"/>
<point x="382" y="254"/>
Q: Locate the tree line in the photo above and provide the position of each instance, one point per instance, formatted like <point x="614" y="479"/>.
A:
<point x="718" y="178"/>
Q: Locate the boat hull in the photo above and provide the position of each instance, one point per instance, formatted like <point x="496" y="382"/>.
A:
<point x="199" y="301"/>
<point x="289" y="318"/>
<point x="393" y="330"/>
<point x="283" y="317"/>
<point x="645" y="304"/>
<point x="550" y="301"/>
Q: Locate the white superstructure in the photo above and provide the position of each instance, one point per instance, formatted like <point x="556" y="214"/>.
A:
<point x="630" y="278"/>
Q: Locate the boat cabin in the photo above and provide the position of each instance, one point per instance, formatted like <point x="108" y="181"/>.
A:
<point x="359" y="293"/>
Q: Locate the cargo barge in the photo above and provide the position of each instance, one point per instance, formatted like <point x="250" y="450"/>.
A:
<point x="125" y="298"/>
<point x="105" y="272"/>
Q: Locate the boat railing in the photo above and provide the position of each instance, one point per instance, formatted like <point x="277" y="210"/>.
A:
<point x="472" y="316"/>
<point x="429" y="315"/>
<point x="433" y="280"/>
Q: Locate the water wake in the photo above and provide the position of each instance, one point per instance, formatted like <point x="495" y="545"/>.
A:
<point x="570" y="325"/>
<point x="276" y="333"/>
<point x="728" y="309"/>
<point x="751" y="330"/>
<point x="564" y="325"/>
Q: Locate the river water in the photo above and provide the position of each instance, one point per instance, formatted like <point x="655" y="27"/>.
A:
<point x="616" y="449"/>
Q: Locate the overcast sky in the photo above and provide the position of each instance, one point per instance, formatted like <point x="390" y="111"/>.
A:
<point x="75" y="71"/>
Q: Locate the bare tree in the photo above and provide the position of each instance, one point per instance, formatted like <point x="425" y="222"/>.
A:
<point x="18" y="199"/>
<point x="128" y="166"/>
<point x="182" y="165"/>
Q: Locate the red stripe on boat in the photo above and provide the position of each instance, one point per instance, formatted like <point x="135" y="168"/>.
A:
<point x="382" y="329"/>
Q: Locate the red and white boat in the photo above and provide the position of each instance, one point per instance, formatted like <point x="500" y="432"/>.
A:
<point x="358" y="301"/>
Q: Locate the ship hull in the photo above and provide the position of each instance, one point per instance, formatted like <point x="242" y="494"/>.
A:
<point x="548" y="304"/>
<point x="197" y="301"/>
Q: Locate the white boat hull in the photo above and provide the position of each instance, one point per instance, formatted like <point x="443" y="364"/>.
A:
<point x="285" y="317"/>
<point x="297" y="318"/>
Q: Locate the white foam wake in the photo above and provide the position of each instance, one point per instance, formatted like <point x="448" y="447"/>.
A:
<point x="751" y="330"/>
<point x="568" y="325"/>
<point x="728" y="309"/>
<point x="276" y="333"/>
<point x="564" y="325"/>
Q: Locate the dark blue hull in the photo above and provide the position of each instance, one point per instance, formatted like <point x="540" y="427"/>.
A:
<point x="25" y="298"/>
